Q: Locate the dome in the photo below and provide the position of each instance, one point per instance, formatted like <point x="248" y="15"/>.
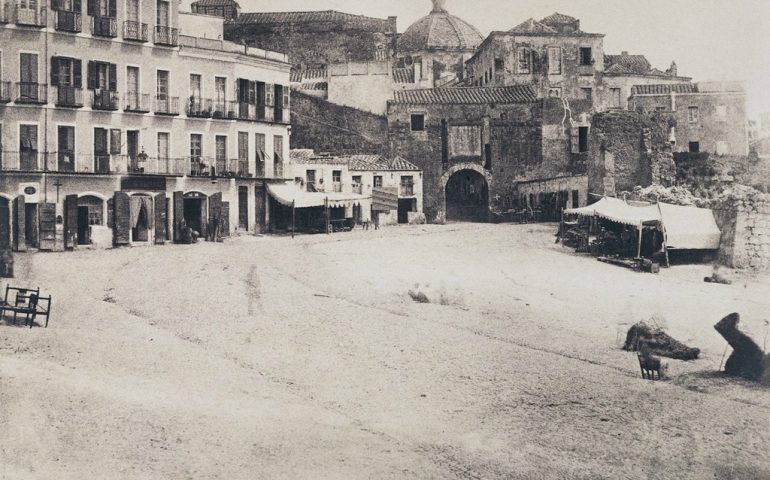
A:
<point x="439" y="30"/>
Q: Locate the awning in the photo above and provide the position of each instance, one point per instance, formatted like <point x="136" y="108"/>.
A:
<point x="686" y="227"/>
<point x="690" y="227"/>
<point x="618" y="211"/>
<point x="385" y="199"/>
<point x="289" y="194"/>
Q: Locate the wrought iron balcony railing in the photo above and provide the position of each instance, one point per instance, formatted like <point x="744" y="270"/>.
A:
<point x="224" y="110"/>
<point x="104" y="27"/>
<point x="135" y="31"/>
<point x="165" y="105"/>
<point x="166" y="36"/>
<point x="105" y="100"/>
<point x="30" y="16"/>
<point x="65" y="21"/>
<point x="200" y="107"/>
<point x="5" y="91"/>
<point x="31" y="93"/>
<point x="69" y="97"/>
<point x="138" y="102"/>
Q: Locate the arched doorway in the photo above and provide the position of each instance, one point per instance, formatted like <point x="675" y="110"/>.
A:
<point x="5" y="224"/>
<point x="141" y="210"/>
<point x="194" y="212"/>
<point x="467" y="197"/>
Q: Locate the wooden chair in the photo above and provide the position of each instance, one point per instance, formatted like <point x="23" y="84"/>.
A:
<point x="650" y="365"/>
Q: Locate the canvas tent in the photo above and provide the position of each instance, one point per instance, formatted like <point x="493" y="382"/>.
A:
<point x="685" y="227"/>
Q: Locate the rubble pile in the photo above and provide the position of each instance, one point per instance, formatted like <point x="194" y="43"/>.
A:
<point x="654" y="340"/>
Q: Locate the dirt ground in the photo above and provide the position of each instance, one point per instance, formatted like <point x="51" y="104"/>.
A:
<point x="267" y="357"/>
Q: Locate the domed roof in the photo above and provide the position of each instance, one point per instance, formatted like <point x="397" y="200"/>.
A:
<point x="439" y="30"/>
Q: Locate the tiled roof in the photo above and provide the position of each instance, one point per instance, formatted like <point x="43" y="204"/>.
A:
<point x="440" y="30"/>
<point x="532" y="26"/>
<point x="467" y="95"/>
<point x="214" y="3"/>
<point x="312" y="17"/>
<point x="379" y="163"/>
<point x="307" y="156"/>
<point x="299" y="75"/>
<point x="627" y="64"/>
<point x="313" y="86"/>
<point x="558" y="18"/>
<point x="403" y="75"/>
<point x="661" y="89"/>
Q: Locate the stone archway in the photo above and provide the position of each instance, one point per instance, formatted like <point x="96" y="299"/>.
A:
<point x="466" y="193"/>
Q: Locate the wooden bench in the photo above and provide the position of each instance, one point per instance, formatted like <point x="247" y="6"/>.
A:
<point x="25" y="301"/>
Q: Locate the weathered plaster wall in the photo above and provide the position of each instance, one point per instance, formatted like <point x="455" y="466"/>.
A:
<point x="745" y="226"/>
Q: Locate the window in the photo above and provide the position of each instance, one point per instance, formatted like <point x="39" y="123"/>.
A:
<point x="162" y="84"/>
<point x="132" y="81"/>
<point x="196" y="145"/>
<point x="164" y="143"/>
<point x="499" y="64"/>
<point x="694" y="147"/>
<point x="221" y="148"/>
<point x="278" y="155"/>
<point x="259" y="149"/>
<point x="660" y="108"/>
<point x="588" y="94"/>
<point x="195" y="86"/>
<point x="693" y="114"/>
<point x="220" y="87"/>
<point x="586" y="56"/>
<point x="28" y="68"/>
<point x="407" y="185"/>
<point x="554" y="60"/>
<point x="336" y="176"/>
<point x="102" y="76"/>
<point x="523" y="60"/>
<point x="28" y="146"/>
<point x="377" y="181"/>
<point x="418" y="122"/>
<point x="132" y="11"/>
<point x="583" y="139"/>
<point x="66" y="149"/>
<point x="162" y="18"/>
<point x="66" y="72"/>
<point x="554" y="92"/>
<point x="310" y="175"/>
<point x="243" y="153"/>
<point x="575" y="198"/>
<point x="615" y="98"/>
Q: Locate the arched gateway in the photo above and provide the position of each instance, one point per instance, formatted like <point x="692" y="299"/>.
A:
<point x="466" y="189"/>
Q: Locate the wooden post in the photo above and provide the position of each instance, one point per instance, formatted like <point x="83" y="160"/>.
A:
<point x="639" y="247"/>
<point x="561" y="228"/>
<point x="327" y="219"/>
<point x="293" y="204"/>
<point x="663" y="229"/>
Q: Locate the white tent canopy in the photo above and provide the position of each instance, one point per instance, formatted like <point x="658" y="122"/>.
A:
<point x="289" y="194"/>
<point x="686" y="227"/>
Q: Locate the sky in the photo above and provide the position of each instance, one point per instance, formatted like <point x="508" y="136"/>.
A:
<point x="709" y="39"/>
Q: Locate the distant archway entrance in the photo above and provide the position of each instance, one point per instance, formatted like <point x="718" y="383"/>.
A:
<point x="467" y="197"/>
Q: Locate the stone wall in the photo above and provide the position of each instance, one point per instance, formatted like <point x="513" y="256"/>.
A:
<point x="629" y="149"/>
<point x="329" y="128"/>
<point x="745" y="226"/>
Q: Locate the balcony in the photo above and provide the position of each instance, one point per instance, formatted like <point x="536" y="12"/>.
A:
<point x="198" y="166"/>
<point x="247" y="111"/>
<point x="165" y="105"/>
<point x="135" y="31"/>
<point x="30" y="17"/>
<point x="231" y="168"/>
<point x="199" y="107"/>
<point x="5" y="92"/>
<point x="105" y="100"/>
<point x="68" y="21"/>
<point x="104" y="27"/>
<point x="24" y="161"/>
<point x="138" y="102"/>
<point x="69" y="97"/>
<point x="278" y="114"/>
<point x="224" y="110"/>
<point x="143" y="165"/>
<point x="166" y="36"/>
<point x="31" y="93"/>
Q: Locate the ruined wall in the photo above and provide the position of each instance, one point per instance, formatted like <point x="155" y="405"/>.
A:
<point x="745" y="226"/>
<point x="628" y="149"/>
<point x="325" y="127"/>
<point x="320" y="42"/>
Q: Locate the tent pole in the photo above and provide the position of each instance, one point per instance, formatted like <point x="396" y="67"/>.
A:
<point x="561" y="228"/>
<point x="639" y="247"/>
<point x="293" y="223"/>
<point x="326" y="216"/>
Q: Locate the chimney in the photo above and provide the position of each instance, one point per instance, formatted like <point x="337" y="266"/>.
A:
<point x="673" y="70"/>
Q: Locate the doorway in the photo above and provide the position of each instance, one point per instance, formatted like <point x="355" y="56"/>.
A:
<point x="5" y="224"/>
<point x="406" y="205"/>
<point x="243" y="208"/>
<point x="84" y="237"/>
<point x="467" y="197"/>
<point x="193" y="211"/>
<point x="30" y="225"/>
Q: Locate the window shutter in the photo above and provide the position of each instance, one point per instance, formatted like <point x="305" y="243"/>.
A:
<point x="575" y="139"/>
<point x="115" y="143"/>
<point x="91" y="7"/>
<point x="113" y="77"/>
<point x="113" y="9"/>
<point x="19" y="238"/>
<point x="77" y="73"/>
<point x="55" y="5"/>
<point x="110" y="213"/>
<point x="122" y="219"/>
<point x="55" y="71"/>
<point x="178" y="215"/>
<point x="70" y="221"/>
<point x="161" y="218"/>
<point x="100" y="141"/>
<point x="286" y="97"/>
<point x="93" y="80"/>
